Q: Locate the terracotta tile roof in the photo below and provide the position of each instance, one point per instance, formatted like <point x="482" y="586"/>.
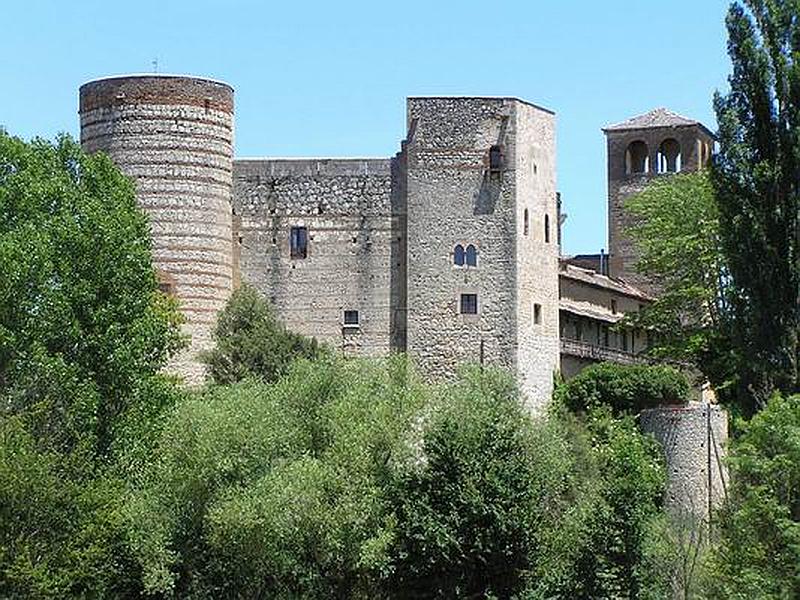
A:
<point x="596" y="279"/>
<point x="660" y="117"/>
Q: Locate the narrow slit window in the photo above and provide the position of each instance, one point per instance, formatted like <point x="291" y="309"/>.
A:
<point x="537" y="314"/>
<point x="298" y="239"/>
<point x="525" y="222"/>
<point x="472" y="256"/>
<point x="351" y="318"/>
<point x="547" y="229"/>
<point x="469" y="304"/>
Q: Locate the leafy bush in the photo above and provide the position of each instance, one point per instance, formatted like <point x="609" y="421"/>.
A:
<point x="628" y="479"/>
<point x="758" y="551"/>
<point x="478" y="506"/>
<point x="251" y="342"/>
<point x="625" y="388"/>
<point x="276" y="490"/>
<point x="349" y="479"/>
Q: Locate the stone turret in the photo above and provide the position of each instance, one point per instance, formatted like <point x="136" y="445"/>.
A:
<point x="174" y="136"/>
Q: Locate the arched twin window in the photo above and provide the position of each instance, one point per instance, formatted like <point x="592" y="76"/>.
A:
<point x="468" y="256"/>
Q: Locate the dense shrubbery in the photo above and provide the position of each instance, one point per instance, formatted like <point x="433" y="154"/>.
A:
<point x="624" y="388"/>
<point x="315" y="477"/>
<point x="758" y="551"/>
<point x="251" y="342"/>
<point x="350" y="479"/>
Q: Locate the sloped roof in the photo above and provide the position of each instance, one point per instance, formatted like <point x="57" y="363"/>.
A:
<point x="594" y="278"/>
<point x="659" y="117"/>
<point x="589" y="310"/>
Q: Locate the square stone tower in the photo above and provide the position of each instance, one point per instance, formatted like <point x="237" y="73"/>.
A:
<point x="482" y="239"/>
<point x="656" y="143"/>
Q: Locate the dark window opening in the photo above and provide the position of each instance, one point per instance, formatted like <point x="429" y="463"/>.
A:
<point x="471" y="256"/>
<point x="637" y="159"/>
<point x="351" y="318"/>
<point x="547" y="229"/>
<point x="496" y="159"/>
<point x="458" y="256"/>
<point x="537" y="314"/>
<point x="166" y="284"/>
<point x="526" y="222"/>
<point x="613" y="307"/>
<point x="298" y="240"/>
<point x="669" y="156"/>
<point x="469" y="304"/>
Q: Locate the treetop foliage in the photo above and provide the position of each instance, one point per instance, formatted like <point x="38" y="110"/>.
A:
<point x="758" y="195"/>
<point x="81" y="319"/>
<point x="251" y="342"/>
<point x="625" y="389"/>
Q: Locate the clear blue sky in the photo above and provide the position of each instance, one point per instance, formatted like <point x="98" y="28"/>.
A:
<point x="330" y="78"/>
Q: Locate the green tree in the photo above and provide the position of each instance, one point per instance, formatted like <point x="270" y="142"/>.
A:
<point x="480" y="506"/>
<point x="676" y="231"/>
<point x="276" y="490"/>
<point x="756" y="183"/>
<point x="83" y="333"/>
<point x="758" y="551"/>
<point x="626" y="389"/>
<point x="627" y="479"/>
<point x="251" y="342"/>
<point x="81" y="319"/>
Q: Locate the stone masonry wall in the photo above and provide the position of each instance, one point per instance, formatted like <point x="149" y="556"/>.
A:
<point x="174" y="136"/>
<point x="356" y="246"/>
<point x="454" y="198"/>
<point x="683" y="433"/>
<point x="538" y="348"/>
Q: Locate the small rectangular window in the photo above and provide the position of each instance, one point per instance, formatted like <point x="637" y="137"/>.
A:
<point x="537" y="314"/>
<point x="469" y="304"/>
<point x="613" y="307"/>
<point x="496" y="159"/>
<point x="298" y="241"/>
<point x="351" y="318"/>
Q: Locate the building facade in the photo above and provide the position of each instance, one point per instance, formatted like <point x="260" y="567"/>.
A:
<point x="447" y="251"/>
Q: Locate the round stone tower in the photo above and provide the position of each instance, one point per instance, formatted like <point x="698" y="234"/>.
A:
<point x="694" y="438"/>
<point x="174" y="136"/>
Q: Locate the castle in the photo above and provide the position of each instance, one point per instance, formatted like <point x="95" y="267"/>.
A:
<point x="448" y="250"/>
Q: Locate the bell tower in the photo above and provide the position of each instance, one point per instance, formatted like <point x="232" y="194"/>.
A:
<point x="654" y="144"/>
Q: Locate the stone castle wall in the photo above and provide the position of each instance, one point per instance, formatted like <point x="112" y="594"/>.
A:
<point x="356" y="246"/>
<point x="694" y="438"/>
<point x="174" y="136"/>
<point x="454" y="198"/>
<point x="537" y="252"/>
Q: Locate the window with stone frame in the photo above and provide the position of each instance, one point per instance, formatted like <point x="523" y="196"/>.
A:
<point x="350" y="318"/>
<point x="469" y="304"/>
<point x="458" y="256"/>
<point x="298" y="242"/>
